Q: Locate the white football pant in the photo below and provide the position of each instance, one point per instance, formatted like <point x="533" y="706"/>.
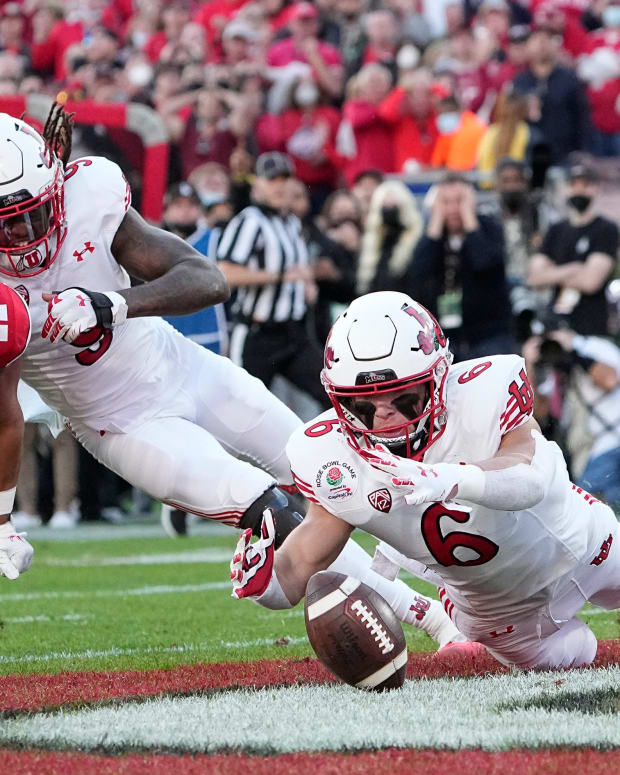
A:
<point x="185" y="455"/>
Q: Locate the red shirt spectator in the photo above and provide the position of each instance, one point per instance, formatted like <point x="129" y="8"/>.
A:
<point x="214" y="15"/>
<point x="50" y="40"/>
<point x="409" y="109"/>
<point x="174" y="17"/>
<point x="306" y="133"/>
<point x="373" y="135"/>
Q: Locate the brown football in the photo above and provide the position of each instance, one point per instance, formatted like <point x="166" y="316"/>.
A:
<point x="354" y="632"/>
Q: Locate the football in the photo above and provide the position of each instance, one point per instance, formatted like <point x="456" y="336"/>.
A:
<point x="354" y="632"/>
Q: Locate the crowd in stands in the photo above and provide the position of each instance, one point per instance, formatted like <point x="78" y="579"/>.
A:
<point x="491" y="101"/>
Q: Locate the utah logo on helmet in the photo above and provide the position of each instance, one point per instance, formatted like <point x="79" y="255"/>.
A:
<point x="383" y="343"/>
<point x="32" y="213"/>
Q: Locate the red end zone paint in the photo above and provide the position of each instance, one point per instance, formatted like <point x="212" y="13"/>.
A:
<point x="389" y="762"/>
<point x="36" y="691"/>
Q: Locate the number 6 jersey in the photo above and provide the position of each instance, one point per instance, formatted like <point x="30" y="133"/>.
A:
<point x="110" y="380"/>
<point x="489" y="560"/>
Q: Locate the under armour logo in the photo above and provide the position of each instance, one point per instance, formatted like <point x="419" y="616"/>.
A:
<point x="507" y="631"/>
<point x="82" y="300"/>
<point x="4" y="324"/>
<point x="88" y="248"/>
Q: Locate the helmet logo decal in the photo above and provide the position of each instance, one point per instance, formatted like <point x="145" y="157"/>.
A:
<point x="30" y="260"/>
<point x="427" y="341"/>
<point x="329" y="357"/>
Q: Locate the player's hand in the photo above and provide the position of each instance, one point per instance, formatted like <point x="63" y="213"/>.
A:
<point x="424" y="483"/>
<point x="252" y="564"/>
<point x="15" y="552"/>
<point x="76" y="310"/>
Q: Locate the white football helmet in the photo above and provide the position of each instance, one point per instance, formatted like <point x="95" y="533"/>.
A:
<point x="32" y="213"/>
<point x="387" y="342"/>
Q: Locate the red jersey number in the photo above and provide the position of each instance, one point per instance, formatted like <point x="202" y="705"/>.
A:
<point x="442" y="546"/>
<point x="475" y="372"/>
<point x="321" y="428"/>
<point x="102" y="337"/>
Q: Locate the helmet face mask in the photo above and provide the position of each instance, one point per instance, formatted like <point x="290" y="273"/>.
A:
<point x="32" y="213"/>
<point x="387" y="345"/>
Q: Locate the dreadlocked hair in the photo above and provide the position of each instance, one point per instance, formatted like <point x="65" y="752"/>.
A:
<point x="58" y="131"/>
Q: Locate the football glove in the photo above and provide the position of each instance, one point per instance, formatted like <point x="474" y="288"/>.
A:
<point x="15" y="552"/>
<point x="425" y="483"/>
<point x="76" y="310"/>
<point x="252" y="564"/>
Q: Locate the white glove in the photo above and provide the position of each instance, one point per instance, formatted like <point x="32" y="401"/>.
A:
<point x="252" y="564"/>
<point x="76" y="310"/>
<point x="15" y="552"/>
<point x="426" y="483"/>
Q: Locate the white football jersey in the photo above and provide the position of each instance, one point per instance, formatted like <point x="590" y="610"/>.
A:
<point x="115" y="379"/>
<point x="489" y="560"/>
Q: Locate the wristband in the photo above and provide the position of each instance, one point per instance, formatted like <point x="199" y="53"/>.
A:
<point x="7" y="499"/>
<point x="471" y="484"/>
<point x="273" y="597"/>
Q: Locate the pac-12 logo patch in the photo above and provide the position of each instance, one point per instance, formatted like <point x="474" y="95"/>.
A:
<point x="381" y="500"/>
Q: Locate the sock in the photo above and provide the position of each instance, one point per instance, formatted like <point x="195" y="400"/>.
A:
<point x="409" y="606"/>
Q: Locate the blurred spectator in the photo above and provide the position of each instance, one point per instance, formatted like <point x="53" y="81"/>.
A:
<point x="519" y="209"/>
<point x="460" y="133"/>
<point x="305" y="46"/>
<point x="409" y="109"/>
<point x="208" y="134"/>
<point x="38" y="445"/>
<point x="557" y="104"/>
<point x="458" y="272"/>
<point x="52" y="35"/>
<point x="263" y="254"/>
<point x="183" y="213"/>
<point x="508" y="135"/>
<point x="578" y="257"/>
<point x="503" y="69"/>
<point x="214" y="15"/>
<point x="307" y="132"/>
<point x="371" y="135"/>
<point x="333" y="248"/>
<point x="12" y="30"/>
<point x="411" y="20"/>
<point x="174" y="17"/>
<point x="348" y="34"/>
<point x="382" y="35"/>
<point x="364" y="186"/>
<point x="463" y="62"/>
<point x="392" y="229"/>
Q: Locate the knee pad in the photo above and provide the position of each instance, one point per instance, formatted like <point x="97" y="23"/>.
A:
<point x="285" y="516"/>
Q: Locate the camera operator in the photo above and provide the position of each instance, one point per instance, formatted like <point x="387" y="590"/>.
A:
<point x="577" y="257"/>
<point x="592" y="366"/>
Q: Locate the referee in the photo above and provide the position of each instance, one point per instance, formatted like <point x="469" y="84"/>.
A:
<point x="264" y="257"/>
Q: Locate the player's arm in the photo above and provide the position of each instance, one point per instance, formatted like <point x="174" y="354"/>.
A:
<point x="11" y="437"/>
<point x="507" y="481"/>
<point x="177" y="280"/>
<point x="278" y="579"/>
<point x="542" y="271"/>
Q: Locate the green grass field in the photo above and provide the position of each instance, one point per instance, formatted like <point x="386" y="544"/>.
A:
<point x="153" y="603"/>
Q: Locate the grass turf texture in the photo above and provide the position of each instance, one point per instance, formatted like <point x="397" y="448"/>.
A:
<point x="73" y="612"/>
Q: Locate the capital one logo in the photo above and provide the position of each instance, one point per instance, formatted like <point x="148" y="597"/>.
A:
<point x="4" y="323"/>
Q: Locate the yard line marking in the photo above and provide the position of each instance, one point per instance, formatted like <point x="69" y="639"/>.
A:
<point x="165" y="558"/>
<point x="164" y="589"/>
<point x="123" y="652"/>
<point x="43" y="618"/>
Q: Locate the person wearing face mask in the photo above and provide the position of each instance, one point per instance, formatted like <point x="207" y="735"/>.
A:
<point x="578" y="257"/>
<point x="393" y="227"/>
<point x="460" y="133"/>
<point x="306" y="131"/>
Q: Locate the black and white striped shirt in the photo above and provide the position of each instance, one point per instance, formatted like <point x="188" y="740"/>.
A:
<point x="261" y="239"/>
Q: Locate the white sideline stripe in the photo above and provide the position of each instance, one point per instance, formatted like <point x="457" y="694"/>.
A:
<point x="384" y="672"/>
<point x="120" y="652"/>
<point x="330" y="601"/>
<point x="164" y="589"/>
<point x="169" y="558"/>
<point x="485" y="712"/>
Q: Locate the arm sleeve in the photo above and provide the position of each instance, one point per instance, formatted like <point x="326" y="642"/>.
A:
<point x="390" y="108"/>
<point x="14" y="325"/>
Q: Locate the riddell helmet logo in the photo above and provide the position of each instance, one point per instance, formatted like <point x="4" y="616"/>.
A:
<point x="334" y="476"/>
<point x="381" y="500"/>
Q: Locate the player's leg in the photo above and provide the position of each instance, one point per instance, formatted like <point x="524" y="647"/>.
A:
<point x="239" y="411"/>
